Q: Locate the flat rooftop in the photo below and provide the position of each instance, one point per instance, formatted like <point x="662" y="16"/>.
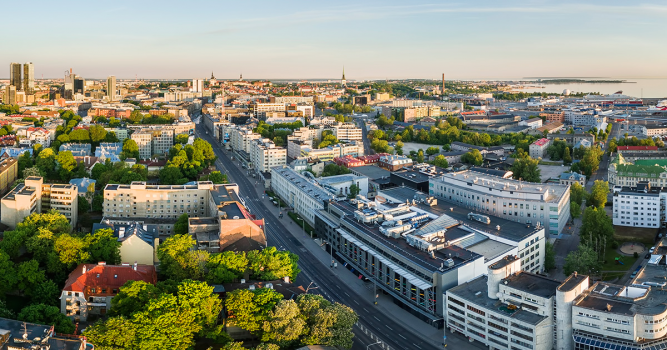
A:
<point x="372" y="172"/>
<point x="414" y="176"/>
<point x="508" y="229"/>
<point x="302" y="183"/>
<point x="421" y="258"/>
<point x="20" y="189"/>
<point x="555" y="191"/>
<point x="532" y="283"/>
<point x="476" y="292"/>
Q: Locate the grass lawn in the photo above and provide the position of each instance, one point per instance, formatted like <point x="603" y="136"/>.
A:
<point x="611" y="269"/>
<point x="635" y="234"/>
<point x="546" y="162"/>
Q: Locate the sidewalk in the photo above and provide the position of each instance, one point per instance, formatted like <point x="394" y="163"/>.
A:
<point x="364" y="289"/>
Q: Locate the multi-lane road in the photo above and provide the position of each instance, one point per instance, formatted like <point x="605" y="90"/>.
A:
<point x="324" y="281"/>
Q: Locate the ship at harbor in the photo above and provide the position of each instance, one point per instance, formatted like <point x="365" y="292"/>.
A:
<point x="617" y="99"/>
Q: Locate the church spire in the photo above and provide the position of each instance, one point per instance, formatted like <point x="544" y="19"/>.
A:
<point x="343" y="82"/>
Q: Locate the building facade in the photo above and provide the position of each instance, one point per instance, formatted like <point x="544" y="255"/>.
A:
<point x="546" y="205"/>
<point x="538" y="149"/>
<point x="34" y="196"/>
<point x="264" y="155"/>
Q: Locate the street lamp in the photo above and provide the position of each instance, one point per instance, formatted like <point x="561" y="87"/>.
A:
<point x="376" y="343"/>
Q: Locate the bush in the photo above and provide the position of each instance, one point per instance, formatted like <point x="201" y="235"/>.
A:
<point x="614" y="245"/>
<point x="636" y="255"/>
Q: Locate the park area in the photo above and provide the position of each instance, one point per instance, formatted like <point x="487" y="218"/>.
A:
<point x="631" y="240"/>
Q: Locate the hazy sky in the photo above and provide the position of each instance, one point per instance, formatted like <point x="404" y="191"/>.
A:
<point x="314" y="39"/>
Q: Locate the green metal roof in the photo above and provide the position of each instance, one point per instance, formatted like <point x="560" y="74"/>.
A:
<point x="659" y="162"/>
<point x="634" y="170"/>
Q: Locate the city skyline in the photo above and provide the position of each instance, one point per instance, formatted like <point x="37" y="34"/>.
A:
<point x="385" y="40"/>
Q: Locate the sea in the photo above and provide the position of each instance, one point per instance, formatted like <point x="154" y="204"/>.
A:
<point x="639" y="88"/>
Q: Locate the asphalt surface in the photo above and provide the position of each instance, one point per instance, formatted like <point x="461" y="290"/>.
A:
<point x="324" y="281"/>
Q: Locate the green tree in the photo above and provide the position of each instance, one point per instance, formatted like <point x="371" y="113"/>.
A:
<point x="271" y="264"/>
<point x="116" y="333"/>
<point x="172" y="175"/>
<point x="217" y="177"/>
<point x="284" y="325"/>
<point x="181" y="225"/>
<point x="46" y="293"/>
<point x="248" y="309"/>
<point x="12" y="242"/>
<point x="226" y="267"/>
<point x="130" y="149"/>
<point x="181" y="138"/>
<point x="432" y="150"/>
<point x="440" y="161"/>
<point x="98" y="203"/>
<point x="32" y="171"/>
<point x="575" y="210"/>
<point x="45" y="314"/>
<point x="526" y="169"/>
<point x="25" y="161"/>
<point x="9" y="275"/>
<point x="473" y="157"/>
<point x="6" y="312"/>
<point x="329" y="324"/>
<point x="598" y="195"/>
<point x="97" y="133"/>
<point x="584" y="260"/>
<point x="567" y="159"/>
<point x="66" y="164"/>
<point x="83" y="204"/>
<point x="103" y="246"/>
<point x="71" y="250"/>
<point x="549" y="256"/>
<point x="29" y="276"/>
<point x="596" y="227"/>
<point x="577" y="193"/>
<point x="132" y="297"/>
<point x="354" y="191"/>
<point x="420" y="156"/>
<point x="46" y="162"/>
<point x="177" y="259"/>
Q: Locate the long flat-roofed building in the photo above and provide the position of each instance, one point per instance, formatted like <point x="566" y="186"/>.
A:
<point x="520" y="201"/>
<point x="416" y="251"/>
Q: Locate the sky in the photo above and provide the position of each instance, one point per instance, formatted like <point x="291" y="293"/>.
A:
<point x="314" y="39"/>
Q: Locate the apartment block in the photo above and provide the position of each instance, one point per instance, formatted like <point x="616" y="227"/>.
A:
<point x="9" y="172"/>
<point x="291" y="99"/>
<point x="394" y="162"/>
<point x="642" y="206"/>
<point x="141" y="200"/>
<point x="241" y="138"/>
<point x="268" y="107"/>
<point x="538" y="149"/>
<point x="34" y="196"/>
<point x="144" y="140"/>
<point x="347" y="132"/>
<point x="553" y="117"/>
<point x="264" y="155"/>
<point x="545" y="205"/>
<point x="304" y="196"/>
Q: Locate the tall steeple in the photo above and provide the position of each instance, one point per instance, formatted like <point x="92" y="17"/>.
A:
<point x="342" y="80"/>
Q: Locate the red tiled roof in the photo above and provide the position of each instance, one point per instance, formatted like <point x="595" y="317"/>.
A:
<point x="108" y="276"/>
<point x="541" y="142"/>
<point x="637" y="148"/>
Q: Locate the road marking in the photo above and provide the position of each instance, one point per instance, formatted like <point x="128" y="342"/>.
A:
<point x="388" y="327"/>
<point x="401" y="335"/>
<point x="365" y="310"/>
<point x="346" y="294"/>
<point x="356" y="302"/>
<point x="417" y="346"/>
<point x="376" y="318"/>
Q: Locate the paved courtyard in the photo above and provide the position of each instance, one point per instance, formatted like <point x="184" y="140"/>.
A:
<point x="552" y="171"/>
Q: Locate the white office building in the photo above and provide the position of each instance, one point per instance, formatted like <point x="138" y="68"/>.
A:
<point x="639" y="207"/>
<point x="524" y="202"/>
<point x="304" y="196"/>
<point x="264" y="155"/>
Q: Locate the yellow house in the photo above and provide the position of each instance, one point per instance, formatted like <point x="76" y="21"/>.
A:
<point x="138" y="244"/>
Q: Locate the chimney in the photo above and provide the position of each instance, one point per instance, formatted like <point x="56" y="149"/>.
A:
<point x="286" y="279"/>
<point x="102" y="263"/>
<point x="134" y="267"/>
<point x="84" y="269"/>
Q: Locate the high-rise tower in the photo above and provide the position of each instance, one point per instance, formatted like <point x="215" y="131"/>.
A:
<point x="111" y="87"/>
<point x="15" y="75"/>
<point x="29" y="78"/>
<point x="342" y="80"/>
